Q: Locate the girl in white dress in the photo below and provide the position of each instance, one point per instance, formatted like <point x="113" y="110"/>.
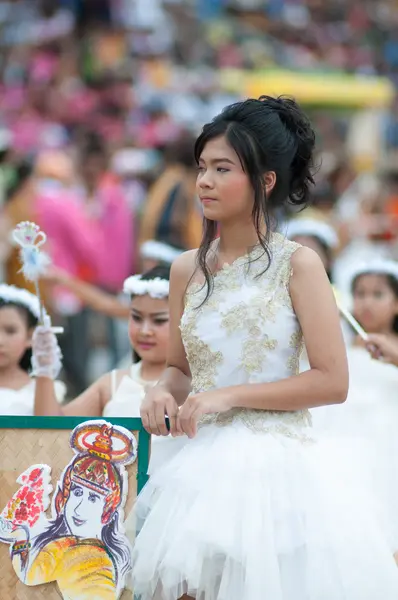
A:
<point x="19" y="315"/>
<point x="369" y="418"/>
<point x="253" y="506"/>
<point x="120" y="392"/>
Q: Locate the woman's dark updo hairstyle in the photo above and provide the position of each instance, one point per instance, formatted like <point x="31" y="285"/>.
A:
<point x="31" y="323"/>
<point x="392" y="284"/>
<point x="268" y="134"/>
<point x="163" y="272"/>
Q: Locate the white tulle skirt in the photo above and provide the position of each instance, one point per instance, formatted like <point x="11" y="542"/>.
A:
<point x="369" y="420"/>
<point x="239" y="514"/>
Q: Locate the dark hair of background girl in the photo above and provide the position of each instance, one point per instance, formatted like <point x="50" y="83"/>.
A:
<point x="393" y="285"/>
<point x="31" y="322"/>
<point x="161" y="271"/>
<point x="268" y="134"/>
<point x="328" y="253"/>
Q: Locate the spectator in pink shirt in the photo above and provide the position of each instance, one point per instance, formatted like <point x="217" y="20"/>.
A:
<point x="107" y="208"/>
<point x="75" y="245"/>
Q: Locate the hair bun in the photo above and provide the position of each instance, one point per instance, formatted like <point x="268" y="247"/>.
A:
<point x="298" y="124"/>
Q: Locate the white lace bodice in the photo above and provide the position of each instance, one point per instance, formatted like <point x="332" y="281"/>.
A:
<point x="247" y="331"/>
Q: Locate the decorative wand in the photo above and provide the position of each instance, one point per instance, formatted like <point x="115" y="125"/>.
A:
<point x="30" y="238"/>
<point x="349" y="317"/>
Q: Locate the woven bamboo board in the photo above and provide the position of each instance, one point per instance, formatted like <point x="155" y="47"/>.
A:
<point x="19" y="449"/>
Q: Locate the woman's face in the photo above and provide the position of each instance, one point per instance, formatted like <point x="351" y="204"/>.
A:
<point x="222" y="186"/>
<point x="149" y="328"/>
<point x="375" y="304"/>
<point x="15" y="337"/>
<point x="83" y="512"/>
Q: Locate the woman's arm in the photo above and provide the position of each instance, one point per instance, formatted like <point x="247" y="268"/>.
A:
<point x="89" y="404"/>
<point x="327" y="380"/>
<point x="176" y="379"/>
<point x="90" y="295"/>
<point x="174" y="385"/>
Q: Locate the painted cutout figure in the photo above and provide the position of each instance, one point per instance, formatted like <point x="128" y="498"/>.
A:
<point x="83" y="546"/>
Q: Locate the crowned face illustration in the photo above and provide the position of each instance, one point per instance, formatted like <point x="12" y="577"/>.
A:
<point x="85" y="533"/>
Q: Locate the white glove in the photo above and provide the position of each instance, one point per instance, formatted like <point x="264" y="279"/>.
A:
<point x="46" y="353"/>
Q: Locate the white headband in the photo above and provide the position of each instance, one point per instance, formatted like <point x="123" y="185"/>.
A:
<point x="11" y="294"/>
<point x="155" y="250"/>
<point x="313" y="228"/>
<point x="155" y="288"/>
<point x="375" y="267"/>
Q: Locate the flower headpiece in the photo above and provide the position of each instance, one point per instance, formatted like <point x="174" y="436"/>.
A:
<point x="375" y="267"/>
<point x="155" y="288"/>
<point x="154" y="250"/>
<point x="11" y="294"/>
<point x="313" y="228"/>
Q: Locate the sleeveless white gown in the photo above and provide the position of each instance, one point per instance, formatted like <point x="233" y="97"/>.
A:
<point x="255" y="507"/>
<point x="369" y="420"/>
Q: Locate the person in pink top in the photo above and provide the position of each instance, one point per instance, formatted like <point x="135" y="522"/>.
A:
<point x="107" y="207"/>
<point x="75" y="245"/>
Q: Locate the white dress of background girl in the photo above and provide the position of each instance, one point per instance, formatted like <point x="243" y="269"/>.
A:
<point x="368" y="420"/>
<point x="26" y="309"/>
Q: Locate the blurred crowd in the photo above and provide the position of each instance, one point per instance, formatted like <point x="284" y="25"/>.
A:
<point x="100" y="104"/>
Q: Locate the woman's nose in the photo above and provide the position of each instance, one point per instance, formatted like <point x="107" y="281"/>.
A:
<point x="206" y="180"/>
<point x="146" y="327"/>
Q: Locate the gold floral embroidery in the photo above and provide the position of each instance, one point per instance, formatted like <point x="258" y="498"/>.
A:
<point x="248" y="317"/>
<point x="270" y="294"/>
<point x="296" y="343"/>
<point x="202" y="360"/>
<point x="254" y="353"/>
<point x="294" y="425"/>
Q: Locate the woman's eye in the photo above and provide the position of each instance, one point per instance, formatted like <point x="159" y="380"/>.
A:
<point x="161" y="321"/>
<point x="136" y="319"/>
<point x="222" y="170"/>
<point x="10" y="330"/>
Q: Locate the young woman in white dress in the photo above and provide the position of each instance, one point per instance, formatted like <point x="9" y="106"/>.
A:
<point x="370" y="415"/>
<point x="19" y="315"/>
<point x="253" y="506"/>
<point x="120" y="392"/>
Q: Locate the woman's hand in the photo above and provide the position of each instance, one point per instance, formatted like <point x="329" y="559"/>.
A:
<point x="157" y="404"/>
<point x="197" y="405"/>
<point x="383" y="347"/>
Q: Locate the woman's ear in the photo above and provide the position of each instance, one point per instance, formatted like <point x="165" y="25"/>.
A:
<point x="269" y="180"/>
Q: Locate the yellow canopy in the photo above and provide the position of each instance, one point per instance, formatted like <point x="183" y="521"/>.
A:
<point x="328" y="89"/>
